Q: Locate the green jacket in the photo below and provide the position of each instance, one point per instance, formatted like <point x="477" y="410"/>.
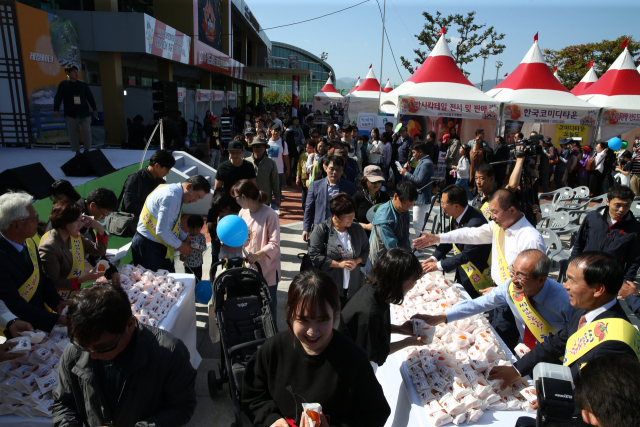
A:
<point x="267" y="176"/>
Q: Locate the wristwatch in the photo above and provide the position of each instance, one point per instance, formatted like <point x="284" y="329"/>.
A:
<point x="11" y="322"/>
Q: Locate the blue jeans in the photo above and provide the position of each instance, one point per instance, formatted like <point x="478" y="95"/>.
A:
<point x="464" y="183"/>
<point x="151" y="255"/>
<point x="215" y="158"/>
<point x="273" y="201"/>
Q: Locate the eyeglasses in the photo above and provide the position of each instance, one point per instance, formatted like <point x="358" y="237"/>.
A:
<point x="518" y="276"/>
<point x="104" y="215"/>
<point x="334" y="169"/>
<point x="36" y="217"/>
<point x="106" y="350"/>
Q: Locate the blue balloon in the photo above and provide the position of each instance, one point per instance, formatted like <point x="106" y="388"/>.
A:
<point x="615" y="143"/>
<point x="232" y="231"/>
<point x="203" y="292"/>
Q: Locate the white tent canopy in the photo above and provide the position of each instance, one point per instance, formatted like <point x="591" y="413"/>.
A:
<point x="365" y="99"/>
<point x="327" y="96"/>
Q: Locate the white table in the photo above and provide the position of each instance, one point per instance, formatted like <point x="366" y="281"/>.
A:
<point x="180" y="322"/>
<point x="403" y="399"/>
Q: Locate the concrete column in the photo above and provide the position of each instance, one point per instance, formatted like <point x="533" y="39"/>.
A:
<point x="243" y="48"/>
<point x="205" y="80"/>
<point x="260" y="93"/>
<point x="253" y="95"/>
<point x="165" y="70"/>
<point x="226" y="27"/>
<point x="244" y="93"/>
<point x="112" y="97"/>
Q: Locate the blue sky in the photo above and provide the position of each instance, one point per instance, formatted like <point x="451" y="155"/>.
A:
<point x="353" y="37"/>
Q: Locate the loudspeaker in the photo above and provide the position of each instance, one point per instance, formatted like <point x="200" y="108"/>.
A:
<point x="88" y="163"/>
<point x="33" y="178"/>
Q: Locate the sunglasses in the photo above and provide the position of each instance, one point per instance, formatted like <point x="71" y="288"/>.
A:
<point x="106" y="350"/>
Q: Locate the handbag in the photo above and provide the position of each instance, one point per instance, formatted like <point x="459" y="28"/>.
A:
<point x="305" y="259"/>
<point x="123" y="224"/>
<point x="554" y="161"/>
<point x="591" y="164"/>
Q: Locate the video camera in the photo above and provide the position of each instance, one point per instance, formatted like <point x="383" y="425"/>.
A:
<point x="531" y="147"/>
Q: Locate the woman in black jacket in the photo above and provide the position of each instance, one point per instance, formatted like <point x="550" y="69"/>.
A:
<point x="339" y="245"/>
<point x="370" y="195"/>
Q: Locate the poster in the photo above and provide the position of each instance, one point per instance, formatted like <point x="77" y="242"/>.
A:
<point x="550" y="115"/>
<point x="620" y="117"/>
<point x="443" y="124"/>
<point x="511" y="128"/>
<point x="569" y="131"/>
<point x="440" y="170"/>
<point x="166" y="42"/>
<point x="182" y="94"/>
<point x="204" y="95"/>
<point x="209" y="22"/>
<point x="447" y="108"/>
<point x="416" y="125"/>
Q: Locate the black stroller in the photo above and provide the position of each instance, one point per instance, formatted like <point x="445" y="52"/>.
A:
<point x="241" y="301"/>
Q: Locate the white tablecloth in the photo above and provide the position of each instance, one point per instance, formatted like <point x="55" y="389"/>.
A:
<point x="181" y="322"/>
<point x="404" y="402"/>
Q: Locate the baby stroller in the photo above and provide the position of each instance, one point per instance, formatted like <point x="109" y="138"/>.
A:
<point x="241" y="301"/>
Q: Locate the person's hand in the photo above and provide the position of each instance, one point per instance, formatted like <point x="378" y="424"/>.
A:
<point x="61" y="306"/>
<point x="429" y="265"/>
<point x="413" y="341"/>
<point x="95" y="114"/>
<point x="19" y="326"/>
<point x="487" y="290"/>
<point x="305" y="236"/>
<point x="305" y="423"/>
<point x="427" y="239"/>
<point x="298" y="181"/>
<point x="182" y="257"/>
<point x="507" y="374"/>
<point x="407" y="165"/>
<point x="347" y="263"/>
<point x="62" y="320"/>
<point x="407" y="328"/>
<point x="115" y="279"/>
<point x="91" y="275"/>
<point x="431" y="320"/>
<point x="185" y="248"/>
<point x="56" y="114"/>
<point x="286" y="172"/>
<point x="252" y="258"/>
<point x="628" y="287"/>
<point x="402" y="171"/>
<point x="5" y="355"/>
<point x="280" y="423"/>
<point x="454" y="167"/>
<point x="534" y="404"/>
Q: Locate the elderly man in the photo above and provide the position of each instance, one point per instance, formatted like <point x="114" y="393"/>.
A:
<point x="540" y="305"/>
<point x="158" y="234"/>
<point x="119" y="372"/>
<point x="510" y="233"/>
<point x="598" y="327"/>
<point x="25" y="288"/>
<point x="266" y="171"/>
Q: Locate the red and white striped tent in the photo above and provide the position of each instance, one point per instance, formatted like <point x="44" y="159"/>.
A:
<point x="387" y="88"/>
<point x="617" y="92"/>
<point x="365" y="99"/>
<point x="590" y="78"/>
<point x="532" y="94"/>
<point x="328" y="95"/>
<point x="356" y="86"/>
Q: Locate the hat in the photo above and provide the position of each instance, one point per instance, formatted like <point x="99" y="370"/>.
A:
<point x="373" y="174"/>
<point x="212" y="117"/>
<point x="587" y="149"/>
<point x="309" y="117"/>
<point x="275" y="126"/>
<point x="341" y="152"/>
<point x="563" y="141"/>
<point x="548" y="140"/>
<point x="445" y="137"/>
<point x="259" y="141"/>
<point x="235" y="145"/>
<point x="250" y="131"/>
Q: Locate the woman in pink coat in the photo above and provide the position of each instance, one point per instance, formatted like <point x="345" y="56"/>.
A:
<point x="263" y="243"/>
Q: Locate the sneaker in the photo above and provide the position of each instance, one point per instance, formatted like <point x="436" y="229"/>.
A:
<point x="418" y="253"/>
<point x="279" y="212"/>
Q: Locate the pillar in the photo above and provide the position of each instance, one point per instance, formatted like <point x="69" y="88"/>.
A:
<point x="243" y="47"/>
<point x="112" y="97"/>
<point x="254" y="54"/>
<point x="165" y="70"/>
<point x="244" y="93"/>
<point x="226" y="27"/>
<point x="205" y="80"/>
<point x="253" y="96"/>
<point x="295" y="95"/>
<point x="260" y="93"/>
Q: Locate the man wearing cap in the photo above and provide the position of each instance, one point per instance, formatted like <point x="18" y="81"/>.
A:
<point x="266" y="170"/>
<point x="279" y="153"/>
<point x="249" y="133"/>
<point x="234" y="169"/>
<point x="214" y="146"/>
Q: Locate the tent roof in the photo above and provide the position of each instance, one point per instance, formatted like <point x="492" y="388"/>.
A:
<point x="590" y="78"/>
<point x="388" y="87"/>
<point x="329" y="87"/>
<point x="355" y="87"/>
<point x="370" y="83"/>
<point x="621" y="80"/>
<point x="532" y="82"/>
<point x="438" y="77"/>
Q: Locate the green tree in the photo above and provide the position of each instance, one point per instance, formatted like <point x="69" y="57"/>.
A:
<point x="286" y="98"/>
<point x="271" y="97"/>
<point x="471" y="36"/>
<point x="572" y="60"/>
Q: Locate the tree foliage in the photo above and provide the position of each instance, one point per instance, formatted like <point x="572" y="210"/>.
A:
<point x="286" y="98"/>
<point x="271" y="97"/>
<point x="471" y="36"/>
<point x="572" y="60"/>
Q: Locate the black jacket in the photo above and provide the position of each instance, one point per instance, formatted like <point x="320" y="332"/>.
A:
<point x="136" y="189"/>
<point x="478" y="254"/>
<point x="620" y="240"/>
<point x="159" y="386"/>
<point x="553" y="349"/>
<point x="67" y="90"/>
<point x="14" y="272"/>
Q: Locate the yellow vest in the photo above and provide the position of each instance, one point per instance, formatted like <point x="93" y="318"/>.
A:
<point x="77" y="268"/>
<point x="151" y="223"/>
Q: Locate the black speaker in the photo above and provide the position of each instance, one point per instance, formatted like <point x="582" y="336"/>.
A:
<point x="88" y="163"/>
<point x="33" y="178"/>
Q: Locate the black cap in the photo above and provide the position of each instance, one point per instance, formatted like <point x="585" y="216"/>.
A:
<point x="235" y="145"/>
<point x="250" y="131"/>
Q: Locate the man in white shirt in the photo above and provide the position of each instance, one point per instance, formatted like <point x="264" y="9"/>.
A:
<point x="275" y="119"/>
<point x="279" y="153"/>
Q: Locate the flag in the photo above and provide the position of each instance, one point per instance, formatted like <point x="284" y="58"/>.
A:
<point x="555" y="68"/>
<point x="589" y="65"/>
<point x="624" y="45"/>
<point x="442" y="31"/>
<point x="535" y="38"/>
<point x="416" y="68"/>
<point x="506" y="74"/>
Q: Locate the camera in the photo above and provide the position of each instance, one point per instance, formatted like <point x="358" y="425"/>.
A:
<point x="531" y="147"/>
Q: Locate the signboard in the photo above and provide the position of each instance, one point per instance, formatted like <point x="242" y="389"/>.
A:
<point x="231" y="96"/>
<point x="166" y="42"/>
<point x="182" y="94"/>
<point x="621" y="117"/>
<point x="207" y="17"/>
<point x="446" y="108"/>
<point x="570" y="131"/>
<point x="550" y="115"/>
<point x="204" y="95"/>
<point x="511" y="128"/>
<point x="443" y="125"/>
<point x="440" y="170"/>
<point x="367" y="121"/>
<point x="217" y="95"/>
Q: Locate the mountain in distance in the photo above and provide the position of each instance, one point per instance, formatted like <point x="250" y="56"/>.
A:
<point x="488" y="84"/>
<point x="346" y="80"/>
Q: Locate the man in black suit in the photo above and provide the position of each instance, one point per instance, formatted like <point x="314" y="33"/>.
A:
<point x="593" y="282"/>
<point x="471" y="262"/>
<point x="24" y="292"/>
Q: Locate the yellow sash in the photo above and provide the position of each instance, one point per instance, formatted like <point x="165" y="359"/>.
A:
<point x="536" y="324"/>
<point x="503" y="267"/>
<point x="151" y="223"/>
<point x="479" y="279"/>
<point x="597" y="332"/>
<point x="485" y="210"/>
<point x="28" y="289"/>
<point x="77" y="267"/>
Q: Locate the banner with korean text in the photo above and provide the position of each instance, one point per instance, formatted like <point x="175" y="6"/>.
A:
<point x="570" y="131"/>
<point x="620" y="117"/>
<point x="447" y="108"/>
<point x="166" y="42"/>
<point x="549" y="115"/>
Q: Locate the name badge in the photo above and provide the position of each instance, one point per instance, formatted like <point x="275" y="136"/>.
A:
<point x="76" y="100"/>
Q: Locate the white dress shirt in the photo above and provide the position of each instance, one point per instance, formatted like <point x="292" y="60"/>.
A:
<point x="458" y="218"/>
<point x="600" y="161"/>
<point x="164" y="204"/>
<point x="517" y="238"/>
<point x="591" y="315"/>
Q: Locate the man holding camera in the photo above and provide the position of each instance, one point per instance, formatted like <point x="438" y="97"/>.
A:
<point x="599" y="327"/>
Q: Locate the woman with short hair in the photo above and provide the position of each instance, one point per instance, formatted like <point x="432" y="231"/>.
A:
<point x="339" y="245"/>
<point x="370" y="195"/>
<point x="313" y="363"/>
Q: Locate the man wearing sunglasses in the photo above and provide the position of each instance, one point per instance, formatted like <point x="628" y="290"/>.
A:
<point x="119" y="372"/>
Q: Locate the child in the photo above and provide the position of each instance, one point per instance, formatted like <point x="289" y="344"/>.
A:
<point x="221" y="206"/>
<point x="193" y="262"/>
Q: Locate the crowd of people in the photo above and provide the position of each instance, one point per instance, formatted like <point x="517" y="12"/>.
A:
<point x="365" y="200"/>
